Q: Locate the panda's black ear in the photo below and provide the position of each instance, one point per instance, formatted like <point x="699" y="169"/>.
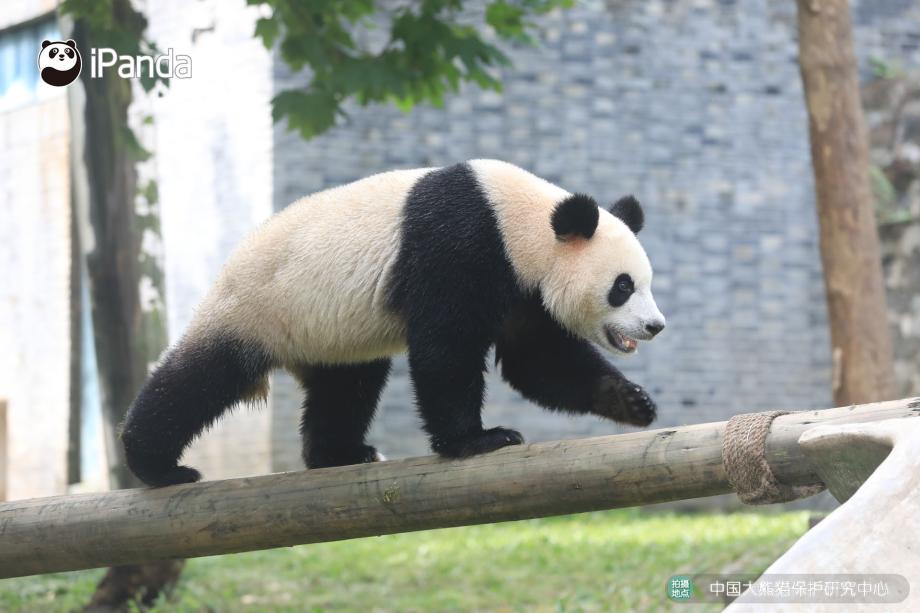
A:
<point x="45" y="43"/>
<point x="575" y="216"/>
<point x="70" y="43"/>
<point x="630" y="212"/>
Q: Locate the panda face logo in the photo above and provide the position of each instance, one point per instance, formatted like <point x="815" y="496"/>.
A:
<point x="59" y="62"/>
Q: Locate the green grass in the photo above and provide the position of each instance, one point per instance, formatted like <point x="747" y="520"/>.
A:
<point x="612" y="561"/>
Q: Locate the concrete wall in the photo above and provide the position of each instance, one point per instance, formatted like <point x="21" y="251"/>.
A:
<point x="696" y="107"/>
<point x="4" y="450"/>
<point x="212" y="138"/>
<point x="19" y="11"/>
<point x="35" y="285"/>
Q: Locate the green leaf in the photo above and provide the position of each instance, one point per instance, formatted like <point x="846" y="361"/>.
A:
<point x="150" y="192"/>
<point x="268" y="29"/>
<point x="307" y="112"/>
<point x="132" y="146"/>
<point x="506" y="19"/>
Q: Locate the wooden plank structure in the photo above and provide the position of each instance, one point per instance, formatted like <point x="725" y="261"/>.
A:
<point x="63" y="533"/>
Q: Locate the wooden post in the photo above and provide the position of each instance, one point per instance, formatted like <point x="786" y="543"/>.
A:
<point x="131" y="526"/>
<point x="862" y="354"/>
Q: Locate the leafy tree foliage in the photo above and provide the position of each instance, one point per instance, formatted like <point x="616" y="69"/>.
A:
<point x="429" y="48"/>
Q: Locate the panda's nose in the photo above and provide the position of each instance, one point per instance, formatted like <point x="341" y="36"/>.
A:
<point x="654" y="327"/>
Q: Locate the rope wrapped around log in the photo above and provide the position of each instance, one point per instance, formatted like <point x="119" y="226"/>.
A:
<point x="744" y="456"/>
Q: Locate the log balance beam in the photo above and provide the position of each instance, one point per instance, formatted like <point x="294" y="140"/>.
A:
<point x="64" y="533"/>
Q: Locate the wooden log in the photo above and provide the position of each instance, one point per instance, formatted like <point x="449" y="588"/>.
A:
<point x="133" y="526"/>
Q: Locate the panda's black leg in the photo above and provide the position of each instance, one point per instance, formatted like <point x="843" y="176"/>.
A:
<point x="340" y="404"/>
<point x="561" y="372"/>
<point x="447" y="371"/>
<point x="197" y="381"/>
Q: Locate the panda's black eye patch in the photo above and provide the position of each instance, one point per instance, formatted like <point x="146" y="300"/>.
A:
<point x="622" y="289"/>
<point x="69" y="52"/>
<point x="53" y="51"/>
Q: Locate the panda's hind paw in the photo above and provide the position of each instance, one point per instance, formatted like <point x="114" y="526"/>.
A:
<point x="370" y="454"/>
<point x="174" y="476"/>
<point x="326" y="457"/>
<point x="483" y="441"/>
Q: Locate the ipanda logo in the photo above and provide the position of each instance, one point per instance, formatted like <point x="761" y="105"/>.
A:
<point x="60" y="63"/>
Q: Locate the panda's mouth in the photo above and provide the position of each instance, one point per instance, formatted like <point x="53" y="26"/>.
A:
<point x="620" y="341"/>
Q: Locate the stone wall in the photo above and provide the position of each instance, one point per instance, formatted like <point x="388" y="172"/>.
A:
<point x="696" y="107"/>
<point x="901" y="255"/>
<point x="892" y="103"/>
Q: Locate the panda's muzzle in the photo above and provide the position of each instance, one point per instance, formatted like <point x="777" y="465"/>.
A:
<point x="619" y="340"/>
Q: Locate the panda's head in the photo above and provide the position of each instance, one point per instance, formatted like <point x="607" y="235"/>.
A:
<point x="599" y="283"/>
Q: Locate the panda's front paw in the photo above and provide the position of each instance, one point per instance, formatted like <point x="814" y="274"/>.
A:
<point x="623" y="401"/>
<point x="483" y="441"/>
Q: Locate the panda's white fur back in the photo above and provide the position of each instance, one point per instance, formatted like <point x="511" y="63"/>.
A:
<point x="309" y="285"/>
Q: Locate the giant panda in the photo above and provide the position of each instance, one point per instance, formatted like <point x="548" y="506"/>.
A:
<point x="443" y="262"/>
